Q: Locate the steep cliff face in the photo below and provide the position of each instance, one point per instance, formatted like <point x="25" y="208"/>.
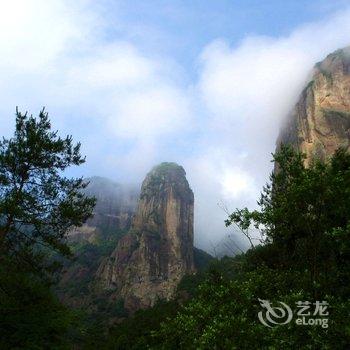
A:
<point x="157" y="252"/>
<point x="320" y="121"/>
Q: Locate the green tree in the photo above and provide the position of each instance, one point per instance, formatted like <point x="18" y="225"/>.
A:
<point x="38" y="206"/>
<point x="305" y="214"/>
<point x="304" y="218"/>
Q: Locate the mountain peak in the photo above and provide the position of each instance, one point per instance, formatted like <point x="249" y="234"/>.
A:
<point x="320" y="121"/>
<point x="151" y="259"/>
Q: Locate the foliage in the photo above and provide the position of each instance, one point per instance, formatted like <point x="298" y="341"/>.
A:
<point x="31" y="317"/>
<point x="224" y="316"/>
<point x="303" y="218"/>
<point x="304" y="221"/>
<point x="201" y="259"/>
<point x="135" y="332"/>
<point x="37" y="203"/>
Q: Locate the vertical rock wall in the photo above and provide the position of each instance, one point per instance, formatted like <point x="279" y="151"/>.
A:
<point x="320" y="121"/>
<point x="151" y="259"/>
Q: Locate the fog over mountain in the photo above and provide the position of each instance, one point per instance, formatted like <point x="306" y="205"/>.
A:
<point x="129" y="93"/>
<point x="115" y="205"/>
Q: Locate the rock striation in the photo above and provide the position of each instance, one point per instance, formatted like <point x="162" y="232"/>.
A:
<point x="320" y="121"/>
<point x="150" y="260"/>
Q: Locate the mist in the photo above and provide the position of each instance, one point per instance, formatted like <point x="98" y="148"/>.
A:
<point x="133" y="107"/>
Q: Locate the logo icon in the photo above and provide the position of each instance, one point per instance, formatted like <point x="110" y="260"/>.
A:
<point x="272" y="316"/>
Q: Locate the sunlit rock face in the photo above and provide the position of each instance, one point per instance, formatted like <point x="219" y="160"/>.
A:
<point x="320" y="121"/>
<point x="151" y="259"/>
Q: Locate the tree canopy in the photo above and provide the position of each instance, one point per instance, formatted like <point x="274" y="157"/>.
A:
<point x="304" y="219"/>
<point x="38" y="206"/>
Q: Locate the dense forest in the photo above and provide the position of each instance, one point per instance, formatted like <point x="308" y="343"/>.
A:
<point x="299" y="255"/>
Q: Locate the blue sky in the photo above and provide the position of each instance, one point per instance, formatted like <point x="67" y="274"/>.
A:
<point x="185" y="27"/>
<point x="206" y="84"/>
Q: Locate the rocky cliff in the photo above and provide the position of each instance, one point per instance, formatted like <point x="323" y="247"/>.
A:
<point x="320" y="121"/>
<point x="157" y="252"/>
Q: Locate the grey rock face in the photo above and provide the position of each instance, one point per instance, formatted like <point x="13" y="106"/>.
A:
<point x="150" y="260"/>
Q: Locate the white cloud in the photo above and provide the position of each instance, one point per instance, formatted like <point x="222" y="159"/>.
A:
<point x="131" y="109"/>
<point x="257" y="82"/>
<point x="112" y="66"/>
<point x="34" y="33"/>
<point x="217" y="184"/>
<point x="235" y="183"/>
<point x="150" y="113"/>
<point x="56" y="54"/>
<point x="135" y="95"/>
<point x="247" y="90"/>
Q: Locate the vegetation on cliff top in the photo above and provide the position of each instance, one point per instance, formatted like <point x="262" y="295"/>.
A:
<point x="166" y="167"/>
<point x="162" y="174"/>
